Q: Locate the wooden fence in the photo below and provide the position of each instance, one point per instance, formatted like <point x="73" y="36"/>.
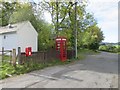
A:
<point x="70" y="54"/>
<point x="44" y="56"/>
<point x="8" y="56"/>
<point x="37" y="57"/>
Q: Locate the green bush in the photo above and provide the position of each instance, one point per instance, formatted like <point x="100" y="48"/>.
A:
<point x="103" y="48"/>
<point x="9" y="70"/>
<point x="94" y="46"/>
<point x="118" y="47"/>
<point x="109" y="48"/>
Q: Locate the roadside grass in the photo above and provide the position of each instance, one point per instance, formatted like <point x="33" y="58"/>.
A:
<point x="83" y="52"/>
<point x="110" y="48"/>
<point x="87" y="51"/>
<point x="6" y="58"/>
<point x="7" y="70"/>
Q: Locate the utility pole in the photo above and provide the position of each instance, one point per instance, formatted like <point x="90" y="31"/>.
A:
<point x="57" y="16"/>
<point x="75" y="29"/>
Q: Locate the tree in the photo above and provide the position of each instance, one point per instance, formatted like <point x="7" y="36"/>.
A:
<point x="63" y="18"/>
<point x="23" y="13"/>
<point x="14" y="12"/>
<point x="63" y="21"/>
<point x="45" y="40"/>
<point x="6" y="11"/>
<point x="92" y="37"/>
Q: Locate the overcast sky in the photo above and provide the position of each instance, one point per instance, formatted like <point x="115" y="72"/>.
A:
<point x="106" y="14"/>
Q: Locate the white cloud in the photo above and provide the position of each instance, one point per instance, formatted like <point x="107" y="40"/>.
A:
<point x="110" y="30"/>
<point x="106" y="13"/>
<point x="94" y="1"/>
<point x="47" y="17"/>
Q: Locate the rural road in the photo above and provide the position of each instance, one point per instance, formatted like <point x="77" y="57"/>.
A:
<point x="96" y="71"/>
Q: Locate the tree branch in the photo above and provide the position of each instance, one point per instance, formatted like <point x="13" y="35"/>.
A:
<point x="65" y="14"/>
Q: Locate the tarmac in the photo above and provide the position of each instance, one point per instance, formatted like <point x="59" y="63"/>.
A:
<point x="95" y="71"/>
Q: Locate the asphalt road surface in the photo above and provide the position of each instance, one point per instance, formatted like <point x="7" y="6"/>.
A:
<point x="96" y="71"/>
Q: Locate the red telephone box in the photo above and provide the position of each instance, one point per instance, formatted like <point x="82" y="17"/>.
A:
<point x="61" y="48"/>
<point x="28" y="51"/>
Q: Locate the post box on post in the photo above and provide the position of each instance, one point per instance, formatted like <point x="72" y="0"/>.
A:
<point x="61" y="48"/>
<point x="28" y="51"/>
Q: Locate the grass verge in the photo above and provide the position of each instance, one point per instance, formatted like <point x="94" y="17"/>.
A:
<point x="7" y="70"/>
<point x="82" y="53"/>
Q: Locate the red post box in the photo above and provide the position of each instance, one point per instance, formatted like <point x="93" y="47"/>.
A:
<point x="28" y="51"/>
<point x="61" y="48"/>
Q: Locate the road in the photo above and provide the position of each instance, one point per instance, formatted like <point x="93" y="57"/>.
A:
<point x="96" y="71"/>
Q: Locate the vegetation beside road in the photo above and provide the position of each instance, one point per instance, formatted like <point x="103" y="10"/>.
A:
<point x="7" y="70"/>
<point x="110" y="48"/>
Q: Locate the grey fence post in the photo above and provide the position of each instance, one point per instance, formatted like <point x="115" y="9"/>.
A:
<point x="14" y="57"/>
<point x="19" y="56"/>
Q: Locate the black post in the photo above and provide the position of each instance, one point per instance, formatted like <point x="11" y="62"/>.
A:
<point x="19" y="56"/>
